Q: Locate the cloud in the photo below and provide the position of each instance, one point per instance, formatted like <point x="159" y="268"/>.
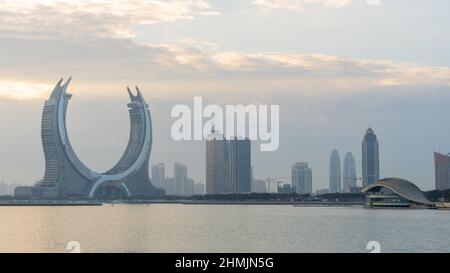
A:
<point x="190" y="69"/>
<point x="22" y="90"/>
<point x="41" y="41"/>
<point x="300" y="4"/>
<point x="91" y="17"/>
<point x="337" y="71"/>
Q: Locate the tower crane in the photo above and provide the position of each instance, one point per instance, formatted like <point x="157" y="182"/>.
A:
<point x="355" y="179"/>
<point x="276" y="180"/>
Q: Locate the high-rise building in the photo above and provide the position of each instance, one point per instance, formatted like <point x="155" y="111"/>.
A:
<point x="335" y="172"/>
<point x="170" y="186"/>
<point x="3" y="188"/>
<point x="199" y="188"/>
<point x="158" y="175"/>
<point x="349" y="179"/>
<point x="370" y="158"/>
<point x="239" y="165"/>
<point x="228" y="164"/>
<point x="189" y="187"/>
<point x="442" y="171"/>
<point x="259" y="186"/>
<point x="302" y="178"/>
<point x="180" y="176"/>
<point x="66" y="175"/>
<point x="216" y="164"/>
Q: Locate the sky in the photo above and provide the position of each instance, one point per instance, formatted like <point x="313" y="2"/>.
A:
<point x="335" y="67"/>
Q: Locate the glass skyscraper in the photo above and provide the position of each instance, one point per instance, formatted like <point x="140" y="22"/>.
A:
<point x="228" y="164"/>
<point x="442" y="171"/>
<point x="302" y="178"/>
<point x="67" y="176"/>
<point x="370" y="158"/>
<point x="335" y="172"/>
<point x="349" y="177"/>
<point x="180" y="176"/>
<point x="159" y="175"/>
<point x="239" y="165"/>
<point x="216" y="164"/>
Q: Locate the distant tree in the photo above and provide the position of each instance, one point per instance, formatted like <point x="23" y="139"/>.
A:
<point x="342" y="196"/>
<point x="436" y="195"/>
<point x="6" y="197"/>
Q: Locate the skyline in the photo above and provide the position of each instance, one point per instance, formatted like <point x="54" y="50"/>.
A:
<point x="334" y="70"/>
<point x="316" y="184"/>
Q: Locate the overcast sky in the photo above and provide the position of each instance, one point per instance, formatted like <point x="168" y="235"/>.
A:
<point x="335" y="67"/>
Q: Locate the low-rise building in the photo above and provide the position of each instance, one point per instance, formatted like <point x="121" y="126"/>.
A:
<point x="395" y="192"/>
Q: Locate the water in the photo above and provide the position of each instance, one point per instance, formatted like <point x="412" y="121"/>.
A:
<point x="221" y="228"/>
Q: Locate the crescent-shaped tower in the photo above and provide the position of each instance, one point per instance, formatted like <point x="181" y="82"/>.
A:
<point x="65" y="174"/>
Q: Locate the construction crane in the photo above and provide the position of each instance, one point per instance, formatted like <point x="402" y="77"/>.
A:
<point x="276" y="180"/>
<point x="355" y="179"/>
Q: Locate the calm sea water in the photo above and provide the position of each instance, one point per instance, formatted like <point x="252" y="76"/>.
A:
<point x="221" y="228"/>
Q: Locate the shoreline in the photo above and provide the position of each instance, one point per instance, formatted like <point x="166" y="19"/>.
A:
<point x="179" y="202"/>
<point x="311" y="204"/>
<point x="50" y="204"/>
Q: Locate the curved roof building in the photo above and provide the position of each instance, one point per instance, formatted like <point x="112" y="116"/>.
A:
<point x="65" y="174"/>
<point x="395" y="192"/>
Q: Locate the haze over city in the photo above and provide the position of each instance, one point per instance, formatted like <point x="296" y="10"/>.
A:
<point x="332" y="66"/>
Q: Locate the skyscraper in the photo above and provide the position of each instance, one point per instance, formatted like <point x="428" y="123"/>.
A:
<point x="199" y="188"/>
<point x="170" y="186"/>
<point x="349" y="178"/>
<point x="3" y="188"/>
<point x="302" y="178"/>
<point x="259" y="186"/>
<point x="370" y="158"/>
<point x="189" y="187"/>
<point x="335" y="172"/>
<point x="180" y="176"/>
<point x="216" y="164"/>
<point x="239" y="165"/>
<point x="442" y="171"/>
<point x="228" y="164"/>
<point x="65" y="175"/>
<point x="159" y="175"/>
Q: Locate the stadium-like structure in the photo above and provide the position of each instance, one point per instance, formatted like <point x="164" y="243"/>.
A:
<point x="395" y="192"/>
<point x="65" y="174"/>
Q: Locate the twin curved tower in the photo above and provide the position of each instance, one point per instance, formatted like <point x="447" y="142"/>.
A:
<point x="65" y="174"/>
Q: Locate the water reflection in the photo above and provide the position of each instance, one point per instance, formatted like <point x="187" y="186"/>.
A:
<point x="219" y="228"/>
